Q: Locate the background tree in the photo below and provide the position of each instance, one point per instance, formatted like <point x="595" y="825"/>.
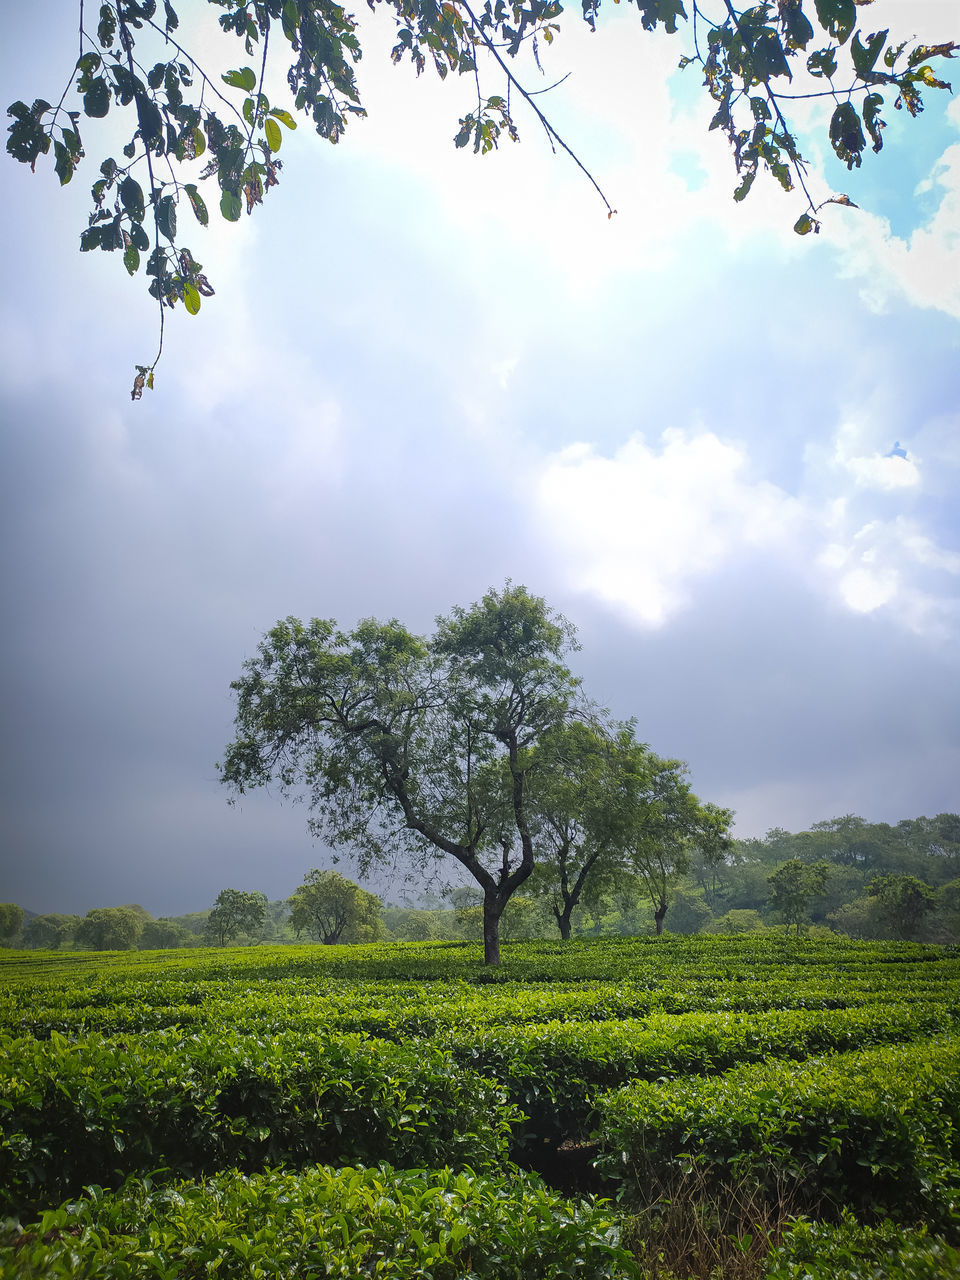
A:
<point x="408" y="744"/>
<point x="793" y="887"/>
<point x="903" y="903"/>
<point x="11" y="922"/>
<point x="50" y="932"/>
<point x="669" y="823"/>
<point x="189" y="123"/>
<point x="578" y="795"/>
<point x="607" y="810"/>
<point x="334" y="909"/>
<point x="236" y="911"/>
<point x="109" y="929"/>
<point x="163" y="934"/>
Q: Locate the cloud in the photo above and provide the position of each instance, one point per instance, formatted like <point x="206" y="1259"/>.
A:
<point x="639" y="527"/>
<point x="869" y="468"/>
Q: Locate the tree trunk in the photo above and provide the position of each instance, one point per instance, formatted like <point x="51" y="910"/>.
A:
<point x="492" y="910"/>
<point x="563" y="923"/>
<point x="658" y="916"/>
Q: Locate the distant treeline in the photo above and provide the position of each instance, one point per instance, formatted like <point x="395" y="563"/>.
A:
<point x="846" y="875"/>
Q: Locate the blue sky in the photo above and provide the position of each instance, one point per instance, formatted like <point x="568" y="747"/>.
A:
<point x="425" y="372"/>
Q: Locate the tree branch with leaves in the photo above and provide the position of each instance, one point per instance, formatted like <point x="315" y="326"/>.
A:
<point x="190" y="124"/>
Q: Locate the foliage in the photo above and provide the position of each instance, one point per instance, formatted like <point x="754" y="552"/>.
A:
<point x="109" y="929"/>
<point x="236" y="911"/>
<point x="99" y="1110"/>
<point x="609" y="810"/>
<point x="335" y="909"/>
<point x="158" y="935"/>
<point x="404" y="742"/>
<point x="50" y="931"/>
<point x="189" y="124"/>
<point x="556" y="1071"/>
<point x="904" y="902"/>
<point x="874" y="1129"/>
<point x="792" y="888"/>
<point x="824" y="1251"/>
<point x="11" y="921"/>
<point x="339" y="1223"/>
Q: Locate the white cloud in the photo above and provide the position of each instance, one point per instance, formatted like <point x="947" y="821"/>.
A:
<point x="856" y="454"/>
<point x="638" y="528"/>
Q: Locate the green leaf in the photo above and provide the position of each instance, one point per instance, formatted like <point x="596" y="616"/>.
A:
<point x="284" y="117"/>
<point x="804" y="224"/>
<point x="837" y="17"/>
<point x="65" y="163"/>
<point x="149" y="119"/>
<point x="245" y="79"/>
<point x="107" y="27"/>
<point x="199" y="143"/>
<point x="139" y="237"/>
<point x="823" y="63"/>
<point x="865" y="55"/>
<point x="131" y="197"/>
<point x="871" y="118"/>
<point x="846" y="136"/>
<point x="191" y="300"/>
<point x="131" y="259"/>
<point x="274" y="136"/>
<point x="197" y="204"/>
<point x="231" y="206"/>
<point x="90" y="239"/>
<point x="167" y="217"/>
<point x="96" y="101"/>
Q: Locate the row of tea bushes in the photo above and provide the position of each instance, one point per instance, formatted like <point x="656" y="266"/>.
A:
<point x="658" y="962"/>
<point x="337" y="1223"/>
<point x="121" y="1004"/>
<point x="854" y="1251"/>
<point x="97" y="1111"/>
<point x="94" y="1109"/>
<point x="554" y="1071"/>
<point x="876" y="1130"/>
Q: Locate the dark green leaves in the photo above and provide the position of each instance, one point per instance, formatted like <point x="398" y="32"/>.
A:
<point x="846" y="135"/>
<point x="28" y="140"/>
<point x="167" y="217"/>
<point x="837" y="17"/>
<point x="149" y="118"/>
<point x="865" y="55"/>
<point x="131" y="197"/>
<point x="96" y="100"/>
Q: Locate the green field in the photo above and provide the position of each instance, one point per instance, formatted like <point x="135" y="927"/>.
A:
<point x="702" y="1106"/>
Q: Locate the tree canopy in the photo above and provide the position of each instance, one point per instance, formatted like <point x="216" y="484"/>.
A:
<point x="192" y="122"/>
<point x="407" y="743"/>
<point x="334" y="909"/>
<point x="236" y="911"/>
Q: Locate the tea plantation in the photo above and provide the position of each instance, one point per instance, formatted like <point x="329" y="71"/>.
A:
<point x="678" y="1107"/>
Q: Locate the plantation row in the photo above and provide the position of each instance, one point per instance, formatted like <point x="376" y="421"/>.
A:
<point x="298" y="1105"/>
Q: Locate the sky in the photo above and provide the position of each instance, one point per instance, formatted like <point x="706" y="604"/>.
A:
<point x="728" y="454"/>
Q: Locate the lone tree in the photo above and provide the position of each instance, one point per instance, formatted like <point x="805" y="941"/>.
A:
<point x="334" y="909"/>
<point x="236" y="911"/>
<point x="190" y="123"/>
<point x="404" y="742"/>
